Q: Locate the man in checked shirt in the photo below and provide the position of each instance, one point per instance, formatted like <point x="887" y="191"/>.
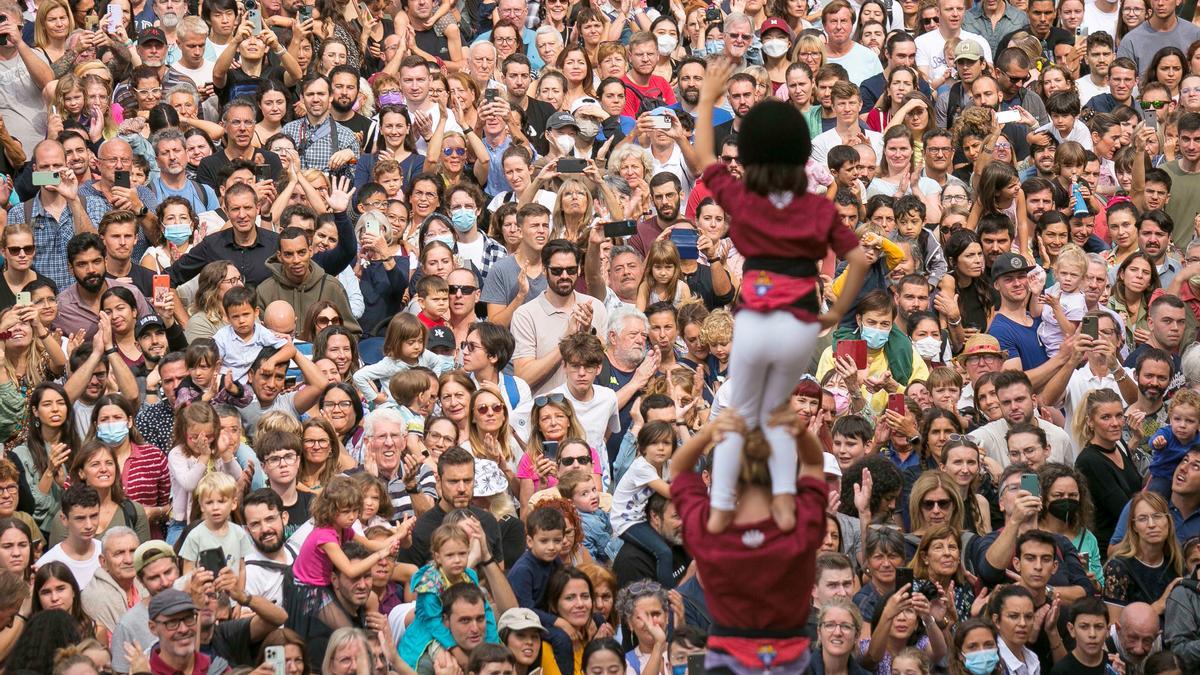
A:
<point x="321" y="142"/>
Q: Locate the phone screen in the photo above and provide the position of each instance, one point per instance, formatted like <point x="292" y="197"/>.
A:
<point x="904" y="576"/>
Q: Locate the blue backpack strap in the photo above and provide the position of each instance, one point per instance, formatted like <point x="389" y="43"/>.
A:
<point x="511" y="389"/>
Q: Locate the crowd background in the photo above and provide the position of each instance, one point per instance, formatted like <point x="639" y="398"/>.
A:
<point x="387" y="337"/>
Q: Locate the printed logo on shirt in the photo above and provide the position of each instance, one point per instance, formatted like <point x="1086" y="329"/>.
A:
<point x="753" y="538"/>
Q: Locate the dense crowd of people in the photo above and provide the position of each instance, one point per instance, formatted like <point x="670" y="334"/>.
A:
<point x="495" y="338"/>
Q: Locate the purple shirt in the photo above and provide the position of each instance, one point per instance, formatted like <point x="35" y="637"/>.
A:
<point x="75" y="314"/>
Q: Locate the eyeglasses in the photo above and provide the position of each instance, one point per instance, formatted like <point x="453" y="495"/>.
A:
<point x="965" y="440"/>
<point x="484" y="409"/>
<point x="233" y="281"/>
<point x="317" y="442"/>
<point x="941" y="504"/>
<point x="833" y="626"/>
<point x="1133" y="10"/>
<point x="153" y="91"/>
<point x="337" y="404"/>
<point x="323" y="321"/>
<point x="572" y="461"/>
<point x="276" y="460"/>
<point x="396" y="439"/>
<point x="746" y="37"/>
<point x="462" y="289"/>
<point x="1151" y="517"/>
<point x="4" y="489"/>
<point x="561" y="271"/>
<point x="939" y="151"/>
<point x="173" y="624"/>
<point x="505" y="40"/>
<point x="548" y="398"/>
<point x="1157" y="105"/>
<point x="457" y="152"/>
<point x="729" y="159"/>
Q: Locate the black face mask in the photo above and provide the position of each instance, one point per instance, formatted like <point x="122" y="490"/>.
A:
<point x="1063" y="509"/>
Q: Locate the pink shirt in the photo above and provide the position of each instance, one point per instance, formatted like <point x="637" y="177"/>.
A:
<point x="525" y="470"/>
<point x="312" y="566"/>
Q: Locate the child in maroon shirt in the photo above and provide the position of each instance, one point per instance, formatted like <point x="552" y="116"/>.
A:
<point x="753" y="572"/>
<point x="784" y="233"/>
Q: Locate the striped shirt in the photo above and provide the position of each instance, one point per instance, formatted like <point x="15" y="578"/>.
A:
<point x="402" y="506"/>
<point x="145" y="477"/>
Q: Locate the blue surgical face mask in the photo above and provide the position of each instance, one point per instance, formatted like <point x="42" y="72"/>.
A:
<point x="112" y="433"/>
<point x="981" y="662"/>
<point x="680" y="669"/>
<point x="875" y="338"/>
<point x="447" y="239"/>
<point x="462" y="219"/>
<point x="178" y="233"/>
<point x="714" y="47"/>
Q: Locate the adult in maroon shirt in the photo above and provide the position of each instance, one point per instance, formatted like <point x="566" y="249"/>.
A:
<point x="754" y="610"/>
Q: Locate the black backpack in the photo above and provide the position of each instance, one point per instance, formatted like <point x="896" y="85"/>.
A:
<point x="289" y="580"/>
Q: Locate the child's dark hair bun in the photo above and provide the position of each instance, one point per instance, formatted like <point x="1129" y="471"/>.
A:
<point x="774" y="132"/>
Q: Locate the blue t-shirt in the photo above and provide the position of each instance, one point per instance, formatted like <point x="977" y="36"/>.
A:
<point x="1019" y="340"/>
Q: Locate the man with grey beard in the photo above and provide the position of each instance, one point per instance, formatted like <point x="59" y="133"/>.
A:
<point x="627" y="366"/>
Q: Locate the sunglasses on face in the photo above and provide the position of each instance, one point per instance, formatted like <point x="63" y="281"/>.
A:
<point x="548" y="398"/>
<point x="461" y="289"/>
<point x="1157" y="105"/>
<point x="457" y="152"/>
<point x="495" y="408"/>
<point x="931" y="20"/>
<point x="941" y="504"/>
<point x="561" y="271"/>
<point x="323" y="321"/>
<point x="571" y="461"/>
<point x="21" y="250"/>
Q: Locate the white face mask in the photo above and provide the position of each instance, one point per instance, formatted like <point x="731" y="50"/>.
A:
<point x="928" y="347"/>
<point x="775" y="48"/>
<point x="565" y="144"/>
<point x="667" y="44"/>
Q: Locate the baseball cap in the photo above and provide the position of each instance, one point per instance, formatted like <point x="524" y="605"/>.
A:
<point x="149" y="551"/>
<point x="170" y="601"/>
<point x="583" y="101"/>
<point x="1008" y="263"/>
<point x="519" y="618"/>
<point x="440" y="337"/>
<point x="561" y="119"/>
<point x="146" y="322"/>
<point x="776" y="23"/>
<point x="969" y="50"/>
<point x="150" y="34"/>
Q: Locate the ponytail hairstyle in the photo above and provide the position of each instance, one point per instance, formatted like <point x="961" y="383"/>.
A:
<point x="1082" y="427"/>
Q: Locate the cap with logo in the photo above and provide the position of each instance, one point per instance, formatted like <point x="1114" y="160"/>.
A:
<point x="1007" y="263"/>
<point x="152" y="34"/>
<point x="561" y="119"/>
<point x="148" y="321"/>
<point x="776" y="23"/>
<point x="969" y="50"/>
<point x="440" y="337"/>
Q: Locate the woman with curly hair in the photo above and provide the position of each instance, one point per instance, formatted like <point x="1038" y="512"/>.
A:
<point x="45" y="633"/>
<point x="573" y="551"/>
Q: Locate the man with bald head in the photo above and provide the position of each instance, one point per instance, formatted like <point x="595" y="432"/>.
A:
<point x="115" y="158"/>
<point x="280" y="318"/>
<point x="1135" y="636"/>
<point x="57" y="212"/>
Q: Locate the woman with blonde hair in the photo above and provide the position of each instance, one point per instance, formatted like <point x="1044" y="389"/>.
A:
<point x="574" y="210"/>
<point x="809" y="50"/>
<point x="604" y="591"/>
<point x="54" y="23"/>
<point x="1105" y="461"/>
<point x="489" y="433"/>
<point x="552" y="421"/>
<point x="97" y="91"/>
<point x="1147" y="562"/>
<point x="348" y="653"/>
<point x="934" y="501"/>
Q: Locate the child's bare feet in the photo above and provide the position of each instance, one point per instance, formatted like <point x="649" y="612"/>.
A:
<point x="718" y="520"/>
<point x="783" y="510"/>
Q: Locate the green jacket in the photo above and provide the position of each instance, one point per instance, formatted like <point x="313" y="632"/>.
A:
<point x="316" y="286"/>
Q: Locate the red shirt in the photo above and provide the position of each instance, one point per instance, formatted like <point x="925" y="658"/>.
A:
<point x="755" y="576"/>
<point x="656" y="88"/>
<point x="806" y="227"/>
<point x="159" y="667"/>
<point x="429" y="321"/>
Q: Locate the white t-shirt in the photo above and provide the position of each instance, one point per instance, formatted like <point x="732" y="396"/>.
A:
<point x="265" y="581"/>
<point x="1088" y="89"/>
<point x="632" y="494"/>
<point x="472" y="251"/>
<point x="931" y="51"/>
<point x="83" y="570"/>
<point x="201" y="76"/>
<point x="860" y="63"/>
<point x="828" y="140"/>
<point x="598" y="417"/>
<point x="1097" y="20"/>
